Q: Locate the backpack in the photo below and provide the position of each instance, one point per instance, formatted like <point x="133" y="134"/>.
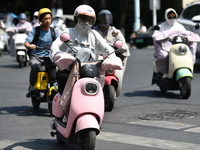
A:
<point x="37" y="34"/>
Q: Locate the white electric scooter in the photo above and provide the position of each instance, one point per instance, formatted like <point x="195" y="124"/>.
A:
<point x="19" y="40"/>
<point x="21" y="51"/>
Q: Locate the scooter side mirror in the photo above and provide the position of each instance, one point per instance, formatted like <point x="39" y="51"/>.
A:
<point x="118" y="44"/>
<point x="64" y="37"/>
<point x="196" y="19"/>
<point x="196" y="26"/>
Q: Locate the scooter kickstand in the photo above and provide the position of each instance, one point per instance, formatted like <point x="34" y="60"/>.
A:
<point x="53" y="133"/>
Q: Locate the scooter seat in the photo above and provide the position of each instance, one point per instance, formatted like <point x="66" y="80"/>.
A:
<point x="42" y="69"/>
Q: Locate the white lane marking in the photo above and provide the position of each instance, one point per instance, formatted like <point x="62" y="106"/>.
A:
<point x="9" y="143"/>
<point x="20" y="148"/>
<point x="147" y="142"/>
<point x="162" y="124"/>
<point x="5" y="143"/>
<point x="194" y="130"/>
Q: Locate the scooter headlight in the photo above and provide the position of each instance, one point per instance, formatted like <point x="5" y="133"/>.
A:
<point x="91" y="88"/>
<point x="110" y="71"/>
<point x="182" y="49"/>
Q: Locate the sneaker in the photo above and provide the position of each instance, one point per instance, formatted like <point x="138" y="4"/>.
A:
<point x="165" y="76"/>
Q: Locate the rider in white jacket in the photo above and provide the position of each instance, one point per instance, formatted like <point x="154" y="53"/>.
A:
<point x="111" y="34"/>
<point x="87" y="41"/>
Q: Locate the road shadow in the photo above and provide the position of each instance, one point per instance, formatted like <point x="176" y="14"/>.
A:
<point x="197" y="67"/>
<point x="11" y="66"/>
<point x="40" y="144"/>
<point x="154" y="94"/>
<point x="25" y="111"/>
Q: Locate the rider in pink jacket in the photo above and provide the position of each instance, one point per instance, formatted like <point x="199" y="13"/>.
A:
<point x="162" y="48"/>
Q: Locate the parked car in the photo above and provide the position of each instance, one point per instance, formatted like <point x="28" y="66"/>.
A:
<point x="185" y="18"/>
<point x="142" y="39"/>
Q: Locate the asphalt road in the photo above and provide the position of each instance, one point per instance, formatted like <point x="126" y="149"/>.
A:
<point x="125" y="128"/>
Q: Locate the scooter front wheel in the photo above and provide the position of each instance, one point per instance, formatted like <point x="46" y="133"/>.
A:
<point x="21" y="61"/>
<point x="87" y="139"/>
<point x="59" y="139"/>
<point x="162" y="89"/>
<point x="185" y="87"/>
<point x="110" y="97"/>
<point x="35" y="102"/>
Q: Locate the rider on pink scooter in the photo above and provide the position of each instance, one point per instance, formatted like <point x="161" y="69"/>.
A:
<point x="88" y="43"/>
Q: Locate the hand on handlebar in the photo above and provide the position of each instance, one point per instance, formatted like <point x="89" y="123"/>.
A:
<point x="63" y="60"/>
<point x="32" y="47"/>
<point x="114" y="63"/>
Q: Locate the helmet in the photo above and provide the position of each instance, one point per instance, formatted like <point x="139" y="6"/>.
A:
<point x="44" y="11"/>
<point x="22" y="16"/>
<point x="86" y="11"/>
<point x="35" y="14"/>
<point x="105" y="18"/>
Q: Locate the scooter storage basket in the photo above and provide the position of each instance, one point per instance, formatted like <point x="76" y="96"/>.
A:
<point x="42" y="80"/>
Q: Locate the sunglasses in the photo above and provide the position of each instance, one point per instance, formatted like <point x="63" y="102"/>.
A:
<point x="172" y="17"/>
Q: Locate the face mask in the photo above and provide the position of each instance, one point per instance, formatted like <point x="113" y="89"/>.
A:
<point x="84" y="25"/>
<point x="171" y="21"/>
<point x="22" y="21"/>
<point x="35" y="19"/>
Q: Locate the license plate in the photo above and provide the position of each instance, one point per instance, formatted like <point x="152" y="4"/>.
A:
<point x="139" y="41"/>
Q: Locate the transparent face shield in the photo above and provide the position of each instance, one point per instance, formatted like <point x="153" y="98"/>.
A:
<point x="86" y="19"/>
<point x="105" y="20"/>
<point x="9" y="20"/>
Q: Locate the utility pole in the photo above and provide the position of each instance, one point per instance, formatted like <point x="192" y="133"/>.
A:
<point x="154" y="13"/>
<point x="136" y="15"/>
<point x="103" y="4"/>
<point x="154" y="6"/>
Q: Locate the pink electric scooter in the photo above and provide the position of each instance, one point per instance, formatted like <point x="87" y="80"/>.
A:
<point x="86" y="108"/>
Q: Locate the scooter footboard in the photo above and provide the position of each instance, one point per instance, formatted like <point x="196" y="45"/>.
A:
<point x="87" y="121"/>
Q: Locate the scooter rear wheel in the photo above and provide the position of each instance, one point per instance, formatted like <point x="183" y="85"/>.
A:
<point x="185" y="87"/>
<point x="87" y="139"/>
